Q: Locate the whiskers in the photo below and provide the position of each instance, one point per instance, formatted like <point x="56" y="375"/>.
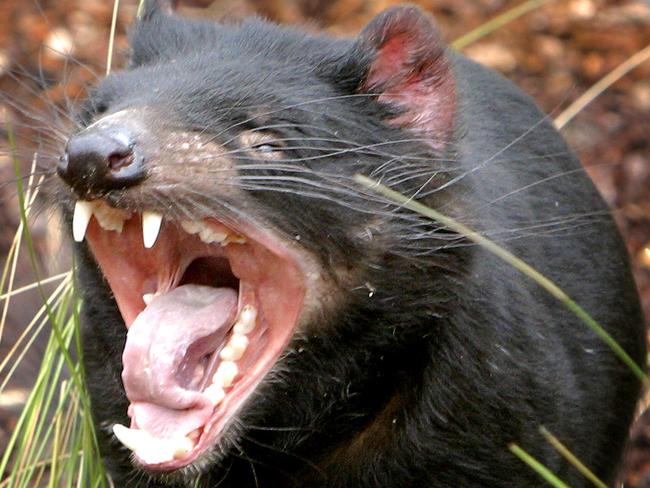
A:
<point x="315" y="155"/>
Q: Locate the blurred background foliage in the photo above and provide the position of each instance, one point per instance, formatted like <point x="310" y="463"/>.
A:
<point x="51" y="51"/>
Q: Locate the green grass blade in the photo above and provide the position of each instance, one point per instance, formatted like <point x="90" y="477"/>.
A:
<point x="512" y="260"/>
<point x="542" y="470"/>
<point x="569" y="456"/>
<point x="600" y="86"/>
<point x="111" y="37"/>
<point x="496" y="23"/>
<point x="54" y="442"/>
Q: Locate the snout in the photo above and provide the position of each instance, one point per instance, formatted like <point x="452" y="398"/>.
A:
<point x="101" y="158"/>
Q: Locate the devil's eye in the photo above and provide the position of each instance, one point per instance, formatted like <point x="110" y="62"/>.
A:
<point x="262" y="145"/>
<point x="267" y="148"/>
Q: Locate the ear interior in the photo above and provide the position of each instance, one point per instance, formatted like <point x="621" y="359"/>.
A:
<point x="409" y="71"/>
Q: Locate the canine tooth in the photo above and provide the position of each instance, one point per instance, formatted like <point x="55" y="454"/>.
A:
<point x="83" y="211"/>
<point x="151" y="222"/>
<point x="147" y="298"/>
<point x="238" y="343"/>
<point x="192" y="226"/>
<point x="150" y="449"/>
<point x="246" y="321"/>
<point x="215" y="394"/>
<point x="225" y="374"/>
<point x="134" y="439"/>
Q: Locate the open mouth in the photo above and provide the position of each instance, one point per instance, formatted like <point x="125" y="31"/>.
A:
<point x="208" y="308"/>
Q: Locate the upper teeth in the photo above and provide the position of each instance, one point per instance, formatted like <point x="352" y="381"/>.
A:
<point x="209" y="234"/>
<point x="111" y="218"/>
<point x="192" y="226"/>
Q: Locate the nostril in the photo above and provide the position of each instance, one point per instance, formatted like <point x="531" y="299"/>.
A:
<point x="99" y="159"/>
<point x="120" y="159"/>
<point x="62" y="165"/>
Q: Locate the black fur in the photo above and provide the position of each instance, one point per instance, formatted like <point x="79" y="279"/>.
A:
<point x="438" y="355"/>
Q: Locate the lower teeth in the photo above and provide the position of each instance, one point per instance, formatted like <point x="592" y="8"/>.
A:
<point x="156" y="450"/>
<point x="215" y="394"/>
<point x="225" y="374"/>
<point x="153" y="450"/>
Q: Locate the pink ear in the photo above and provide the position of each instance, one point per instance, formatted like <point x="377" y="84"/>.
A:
<point x="410" y="72"/>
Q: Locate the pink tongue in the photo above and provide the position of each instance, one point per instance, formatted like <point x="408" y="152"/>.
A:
<point x="166" y="346"/>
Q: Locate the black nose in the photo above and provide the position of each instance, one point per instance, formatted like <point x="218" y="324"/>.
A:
<point x="100" y="159"/>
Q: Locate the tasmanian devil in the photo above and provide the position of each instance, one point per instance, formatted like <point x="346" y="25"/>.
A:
<point x="253" y="317"/>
